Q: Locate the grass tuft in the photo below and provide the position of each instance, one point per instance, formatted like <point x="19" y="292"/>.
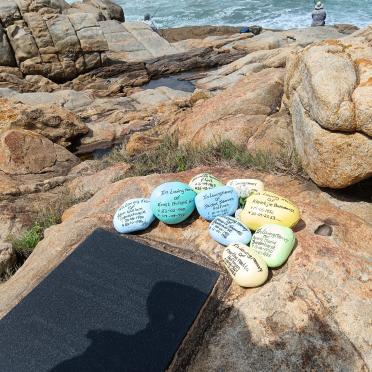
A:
<point x="25" y="243"/>
<point x="171" y="157"/>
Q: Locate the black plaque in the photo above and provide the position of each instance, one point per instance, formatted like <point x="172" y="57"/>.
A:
<point x="113" y="305"/>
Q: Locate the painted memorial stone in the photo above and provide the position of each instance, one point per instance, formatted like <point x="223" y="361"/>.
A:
<point x="220" y="201"/>
<point x="173" y="202"/>
<point x="246" y="187"/>
<point x="204" y="181"/>
<point x="266" y="207"/>
<point x="274" y="243"/>
<point x="245" y="266"/>
<point x="133" y="215"/>
<point x="226" y="230"/>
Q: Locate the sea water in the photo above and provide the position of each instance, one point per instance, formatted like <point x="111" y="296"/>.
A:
<point x="278" y="14"/>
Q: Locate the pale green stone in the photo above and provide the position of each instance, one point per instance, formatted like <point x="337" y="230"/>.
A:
<point x="274" y="243"/>
<point x="204" y="181"/>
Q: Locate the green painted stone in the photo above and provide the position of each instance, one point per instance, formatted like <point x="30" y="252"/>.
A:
<point x="274" y="243"/>
<point x="204" y="181"/>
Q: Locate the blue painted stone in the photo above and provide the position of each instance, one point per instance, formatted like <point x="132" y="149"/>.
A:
<point x="133" y="215"/>
<point x="220" y="201"/>
<point x="227" y="230"/>
<point x="173" y="202"/>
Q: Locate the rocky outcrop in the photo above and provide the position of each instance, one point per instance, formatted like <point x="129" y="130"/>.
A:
<point x="331" y="108"/>
<point x="197" y="32"/>
<point x="53" y="122"/>
<point x="248" y="103"/>
<point x="6" y="52"/>
<point x="275" y="134"/>
<point x="7" y="257"/>
<point x="60" y="42"/>
<point x="23" y="153"/>
<point x="324" y="286"/>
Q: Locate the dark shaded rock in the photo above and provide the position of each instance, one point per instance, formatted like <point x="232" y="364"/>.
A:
<point x="6" y="52"/>
<point x="196" y="58"/>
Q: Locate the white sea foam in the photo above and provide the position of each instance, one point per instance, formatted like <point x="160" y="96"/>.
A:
<point x="268" y="13"/>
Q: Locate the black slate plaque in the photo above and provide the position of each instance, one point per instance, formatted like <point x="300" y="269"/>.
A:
<point x="113" y="305"/>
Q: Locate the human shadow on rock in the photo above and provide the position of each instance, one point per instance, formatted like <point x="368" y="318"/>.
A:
<point x="171" y="309"/>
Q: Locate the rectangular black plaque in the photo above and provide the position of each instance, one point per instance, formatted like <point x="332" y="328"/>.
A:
<point x="113" y="305"/>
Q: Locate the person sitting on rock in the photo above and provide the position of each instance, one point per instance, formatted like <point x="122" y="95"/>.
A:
<point x="148" y="21"/>
<point x="319" y="15"/>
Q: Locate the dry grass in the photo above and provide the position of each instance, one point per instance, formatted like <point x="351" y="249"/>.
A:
<point x="171" y="157"/>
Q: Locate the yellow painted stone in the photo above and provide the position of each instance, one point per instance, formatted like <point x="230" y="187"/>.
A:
<point x="245" y="266"/>
<point x="268" y="208"/>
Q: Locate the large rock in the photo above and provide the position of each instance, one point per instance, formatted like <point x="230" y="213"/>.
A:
<point x="53" y="122"/>
<point x="237" y="112"/>
<point x="109" y="9"/>
<point x="331" y="108"/>
<point x="22" y="41"/>
<point x="9" y="12"/>
<point x="275" y="134"/>
<point x="7" y="257"/>
<point x="332" y="159"/>
<point x="23" y="152"/>
<point x="324" y="286"/>
<point x="6" y="52"/>
<point x="269" y="40"/>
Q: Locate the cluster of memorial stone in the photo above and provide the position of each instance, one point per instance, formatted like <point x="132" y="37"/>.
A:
<point x="246" y="257"/>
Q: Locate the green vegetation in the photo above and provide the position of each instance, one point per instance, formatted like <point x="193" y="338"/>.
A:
<point x="170" y="157"/>
<point x="25" y="243"/>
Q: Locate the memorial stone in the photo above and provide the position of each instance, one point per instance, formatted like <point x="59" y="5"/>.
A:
<point x="204" y="181"/>
<point x="173" y="202"/>
<point x="274" y="243"/>
<point x="265" y="208"/>
<point x="246" y="187"/>
<point x="226" y="230"/>
<point x="245" y="266"/>
<point x="220" y="201"/>
<point x="133" y="215"/>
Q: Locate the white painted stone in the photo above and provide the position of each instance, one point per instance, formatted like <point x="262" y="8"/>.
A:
<point x="133" y="215"/>
<point x="246" y="187"/>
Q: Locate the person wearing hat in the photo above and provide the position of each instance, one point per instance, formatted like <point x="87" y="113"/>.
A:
<point x="148" y="21"/>
<point x="319" y="15"/>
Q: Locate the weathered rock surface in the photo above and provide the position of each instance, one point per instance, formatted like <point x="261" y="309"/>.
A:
<point x="59" y="41"/>
<point x="324" y="286"/>
<point x="331" y="109"/>
<point x="90" y="182"/>
<point x="53" y="122"/>
<point x="275" y="134"/>
<point x="24" y="152"/>
<point x="6" y="52"/>
<point x="7" y="257"/>
<point x="250" y="102"/>
<point x="196" y="32"/>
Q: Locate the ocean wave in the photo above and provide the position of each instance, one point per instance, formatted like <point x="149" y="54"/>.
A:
<point x="267" y="13"/>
